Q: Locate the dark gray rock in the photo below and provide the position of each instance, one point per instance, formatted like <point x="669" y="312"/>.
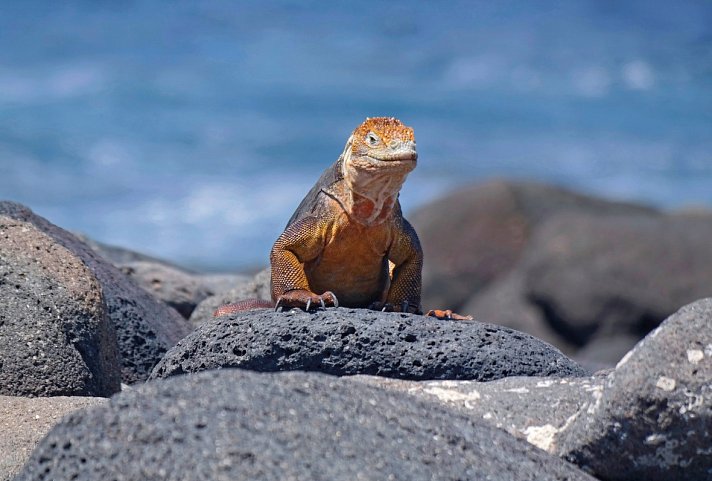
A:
<point x="358" y="341"/>
<point x="175" y="287"/>
<point x="25" y="421"/>
<point x="55" y="335"/>
<point x="653" y="418"/>
<point x="531" y="408"/>
<point x="609" y="275"/>
<point x="238" y="425"/>
<point x="257" y="287"/>
<point x="503" y="302"/>
<point x="218" y="282"/>
<point x="180" y="288"/>
<point x="478" y="233"/>
<point x="593" y="284"/>
<point x="605" y="351"/>
<point x="146" y="327"/>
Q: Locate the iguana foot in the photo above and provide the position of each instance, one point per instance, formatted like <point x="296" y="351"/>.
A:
<point x="307" y="300"/>
<point x="447" y="314"/>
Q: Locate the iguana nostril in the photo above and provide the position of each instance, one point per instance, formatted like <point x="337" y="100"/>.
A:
<point x="349" y="228"/>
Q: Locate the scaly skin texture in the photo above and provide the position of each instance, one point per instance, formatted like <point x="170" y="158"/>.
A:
<point x="348" y="243"/>
<point x="348" y="238"/>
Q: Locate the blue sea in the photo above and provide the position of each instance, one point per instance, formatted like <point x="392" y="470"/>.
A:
<point x="191" y="130"/>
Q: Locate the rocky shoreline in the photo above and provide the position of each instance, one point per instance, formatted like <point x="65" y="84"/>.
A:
<point x="356" y="394"/>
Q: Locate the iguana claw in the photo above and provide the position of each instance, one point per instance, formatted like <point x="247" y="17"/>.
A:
<point x="404" y="306"/>
<point x="334" y="298"/>
<point x="307" y="300"/>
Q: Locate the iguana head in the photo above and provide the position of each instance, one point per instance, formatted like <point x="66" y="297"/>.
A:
<point x="384" y="142"/>
<point x="376" y="160"/>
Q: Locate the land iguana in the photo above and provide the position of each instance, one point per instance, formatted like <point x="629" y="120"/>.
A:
<point x="348" y="243"/>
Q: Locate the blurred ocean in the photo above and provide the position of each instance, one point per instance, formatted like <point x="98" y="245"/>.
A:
<point x="191" y="130"/>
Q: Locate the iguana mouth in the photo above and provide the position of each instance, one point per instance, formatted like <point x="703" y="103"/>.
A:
<point x="403" y="155"/>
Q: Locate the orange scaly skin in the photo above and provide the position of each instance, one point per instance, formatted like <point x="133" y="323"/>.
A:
<point x="348" y="243"/>
<point x="349" y="229"/>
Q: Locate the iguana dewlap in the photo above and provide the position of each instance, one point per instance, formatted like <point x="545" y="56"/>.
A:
<point x="347" y="243"/>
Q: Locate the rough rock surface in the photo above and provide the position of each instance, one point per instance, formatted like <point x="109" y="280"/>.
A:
<point x="256" y="288"/>
<point x="147" y="271"/>
<point x="25" y="421"/>
<point x="235" y="425"/>
<point x="476" y="234"/>
<point x="122" y="257"/>
<point x="180" y="289"/>
<point x="653" y="418"/>
<point x="55" y="335"/>
<point x="531" y="408"/>
<point x="358" y="341"/>
<point x="598" y="275"/>
<point x="146" y="328"/>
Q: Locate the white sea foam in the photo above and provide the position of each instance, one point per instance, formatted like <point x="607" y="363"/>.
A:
<point x="199" y="147"/>
<point x="638" y="75"/>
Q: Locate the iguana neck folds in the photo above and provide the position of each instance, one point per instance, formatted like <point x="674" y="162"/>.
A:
<point x="374" y="166"/>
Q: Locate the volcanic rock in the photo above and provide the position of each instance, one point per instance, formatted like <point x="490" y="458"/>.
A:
<point x="239" y="425"/>
<point x="146" y="328"/>
<point x="653" y="418"/>
<point x="56" y="337"/>
<point x="358" y="341"/>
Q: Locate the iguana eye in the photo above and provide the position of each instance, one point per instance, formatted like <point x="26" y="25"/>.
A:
<point x="372" y="138"/>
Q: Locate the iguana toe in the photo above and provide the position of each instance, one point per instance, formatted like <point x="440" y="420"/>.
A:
<point x="447" y="314"/>
<point x="307" y="300"/>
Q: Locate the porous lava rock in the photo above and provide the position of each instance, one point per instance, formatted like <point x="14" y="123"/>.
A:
<point x="239" y="425"/>
<point x="25" y="421"/>
<point x="653" y="418"/>
<point x="56" y="337"/>
<point x="146" y="328"/>
<point x="531" y="408"/>
<point x="177" y="288"/>
<point x="358" y="341"/>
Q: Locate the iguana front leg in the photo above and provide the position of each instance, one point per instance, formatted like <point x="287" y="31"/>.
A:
<point x="404" y="293"/>
<point x="407" y="257"/>
<point x="301" y="242"/>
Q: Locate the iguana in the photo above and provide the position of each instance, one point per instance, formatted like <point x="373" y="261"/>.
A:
<point x="348" y="243"/>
